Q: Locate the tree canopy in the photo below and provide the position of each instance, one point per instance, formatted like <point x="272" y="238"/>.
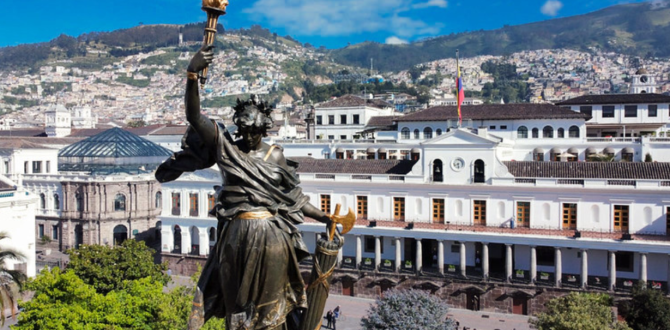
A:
<point x="584" y="311"/>
<point x="647" y="310"/>
<point x="408" y="309"/>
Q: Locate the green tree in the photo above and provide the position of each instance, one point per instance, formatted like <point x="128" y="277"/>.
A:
<point x="109" y="268"/>
<point x="136" y="123"/>
<point x="408" y="309"/>
<point x="584" y="311"/>
<point x="647" y="310"/>
<point x="9" y="279"/>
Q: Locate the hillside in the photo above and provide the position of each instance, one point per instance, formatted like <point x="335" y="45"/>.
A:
<point x="641" y="29"/>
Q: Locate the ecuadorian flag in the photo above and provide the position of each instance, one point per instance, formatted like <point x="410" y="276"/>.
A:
<point x="460" y="94"/>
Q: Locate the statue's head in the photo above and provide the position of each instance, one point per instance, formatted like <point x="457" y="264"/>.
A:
<point x="252" y="118"/>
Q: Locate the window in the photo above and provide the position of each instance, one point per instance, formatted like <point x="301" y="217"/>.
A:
<point x="404" y="134"/>
<point x="399" y="208"/>
<point x="40" y="231"/>
<point x="393" y="154"/>
<point x="319" y="120"/>
<point x="587" y="110"/>
<point x="159" y="200"/>
<point x="331" y="120"/>
<point x="523" y="214"/>
<point x="536" y="133"/>
<point x="480" y="176"/>
<point x="176" y="203"/>
<point x="652" y="110"/>
<point x="438" y="175"/>
<point x="560" y="133"/>
<point x="624" y="261"/>
<point x="416" y="134"/>
<point x="630" y="111"/>
<point x="479" y="213"/>
<point x="492" y="127"/>
<point x="48" y="169"/>
<point x="538" y="156"/>
<point x="25" y="167"/>
<point x="343" y="119"/>
<point x="56" y="202"/>
<point x="350" y="154"/>
<point x="120" y="202"/>
<point x="545" y="255"/>
<point x="570" y="216"/>
<point x="573" y="132"/>
<point x="370" y="244"/>
<point x="325" y="203"/>
<point x="357" y="119"/>
<point x="667" y="220"/>
<point x="438" y="132"/>
<point x="343" y="137"/>
<point x="522" y="132"/>
<point x="608" y="111"/>
<point x="211" y="202"/>
<point x="362" y="207"/>
<point x="621" y="218"/>
<point x="193" y="204"/>
<point x="438" y="210"/>
<point x="6" y="166"/>
<point x="404" y="154"/>
<point x="455" y="248"/>
<point x="54" y="232"/>
<point x="37" y="167"/>
<point x="503" y="126"/>
<point x="331" y="137"/>
<point x="548" y="132"/>
<point x="427" y="133"/>
<point x="79" y="202"/>
<point x="43" y="201"/>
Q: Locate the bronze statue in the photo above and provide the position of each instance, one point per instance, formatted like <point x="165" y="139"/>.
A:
<point x="252" y="275"/>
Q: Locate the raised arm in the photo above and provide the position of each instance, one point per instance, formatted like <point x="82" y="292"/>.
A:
<point x="205" y="128"/>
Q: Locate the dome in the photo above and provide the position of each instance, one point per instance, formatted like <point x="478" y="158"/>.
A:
<point x="641" y="71"/>
<point x="113" y="150"/>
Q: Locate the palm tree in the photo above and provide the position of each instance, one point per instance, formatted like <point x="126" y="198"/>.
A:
<point x="8" y="278"/>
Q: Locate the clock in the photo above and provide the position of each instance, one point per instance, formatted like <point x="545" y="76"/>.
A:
<point x="457" y="164"/>
<point x="644" y="79"/>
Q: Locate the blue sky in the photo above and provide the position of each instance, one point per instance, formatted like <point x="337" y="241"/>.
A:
<point x="331" y="23"/>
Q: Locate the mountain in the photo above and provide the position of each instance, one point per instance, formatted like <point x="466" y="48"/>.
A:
<point x="641" y="29"/>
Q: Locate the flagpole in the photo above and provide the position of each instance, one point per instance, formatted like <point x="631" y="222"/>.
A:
<point x="458" y="90"/>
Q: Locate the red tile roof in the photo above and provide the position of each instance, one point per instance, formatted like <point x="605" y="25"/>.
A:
<point x="494" y="112"/>
<point x="590" y="170"/>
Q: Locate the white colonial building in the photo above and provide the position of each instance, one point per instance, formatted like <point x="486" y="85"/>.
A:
<point x="17" y="207"/>
<point x="346" y="117"/>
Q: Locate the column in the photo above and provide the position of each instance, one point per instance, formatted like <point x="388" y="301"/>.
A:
<point x="339" y="257"/>
<point x="508" y="262"/>
<point x="643" y="267"/>
<point x="440" y="256"/>
<point x="359" y="252"/>
<point x="585" y="269"/>
<point x="612" y="281"/>
<point x="533" y="264"/>
<point x="462" y="264"/>
<point x="378" y="252"/>
<point x="558" y="266"/>
<point x="398" y="255"/>
<point x="419" y="255"/>
<point x="485" y="260"/>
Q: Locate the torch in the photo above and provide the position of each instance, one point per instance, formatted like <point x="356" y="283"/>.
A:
<point x="214" y="9"/>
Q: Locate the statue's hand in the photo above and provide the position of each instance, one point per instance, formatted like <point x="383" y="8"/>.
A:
<point x="202" y="59"/>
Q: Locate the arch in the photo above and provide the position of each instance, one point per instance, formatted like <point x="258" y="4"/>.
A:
<point x="538" y="154"/>
<point x="120" y="202"/>
<point x="43" y="201"/>
<point x="459" y="208"/>
<point x="548" y="132"/>
<point x="427" y="133"/>
<point x="404" y="133"/>
<point x="78" y="235"/>
<point x="120" y="234"/>
<point x="159" y="200"/>
<point x="438" y="132"/>
<point x="195" y="240"/>
<point x="212" y="234"/>
<point x="560" y="133"/>
<point x="536" y="133"/>
<point x="438" y="169"/>
<point x="501" y="210"/>
<point x="573" y="132"/>
<point x="479" y="174"/>
<point x="56" y="202"/>
<point x="647" y="215"/>
<point x="522" y="132"/>
<point x="416" y="134"/>
<point x="79" y="202"/>
<point x="176" y="232"/>
<point x="595" y="213"/>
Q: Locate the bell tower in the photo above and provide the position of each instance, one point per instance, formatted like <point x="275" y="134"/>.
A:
<point x="643" y="82"/>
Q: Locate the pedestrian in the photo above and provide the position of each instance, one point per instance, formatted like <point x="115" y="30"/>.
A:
<point x="329" y="318"/>
<point x="334" y="322"/>
<point x="336" y="311"/>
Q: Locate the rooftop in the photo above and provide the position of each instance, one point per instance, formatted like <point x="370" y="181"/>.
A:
<point x="617" y="99"/>
<point x="354" y="166"/>
<point x="590" y="170"/>
<point x="519" y="111"/>
<point x="350" y="100"/>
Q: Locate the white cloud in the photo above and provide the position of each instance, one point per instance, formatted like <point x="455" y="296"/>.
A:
<point x="431" y="3"/>
<point x="551" y="7"/>
<point x="395" y="41"/>
<point x="345" y="17"/>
